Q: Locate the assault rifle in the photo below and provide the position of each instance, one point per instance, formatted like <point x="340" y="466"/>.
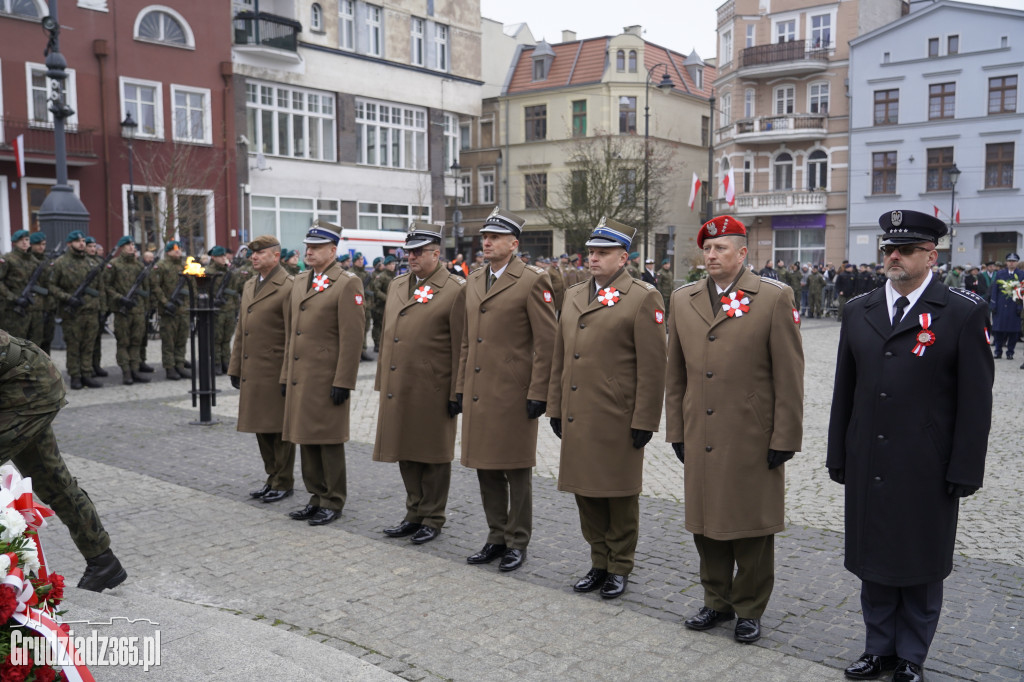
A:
<point x="28" y="294"/>
<point x="222" y="288"/>
<point x="173" y="301"/>
<point x="127" y="302"/>
<point x="76" y="301"/>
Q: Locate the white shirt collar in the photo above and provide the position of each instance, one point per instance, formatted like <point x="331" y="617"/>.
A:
<point x="891" y="295"/>
<point x="498" y="273"/>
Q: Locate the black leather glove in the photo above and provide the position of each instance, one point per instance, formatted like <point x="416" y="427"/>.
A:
<point x="454" y="408"/>
<point x="235" y="382"/>
<point x="678" y="447"/>
<point x="339" y="395"/>
<point x="220" y="302"/>
<point x="283" y="388"/>
<point x="22" y="303"/>
<point x="959" y="490"/>
<point x="556" y="425"/>
<point x="74" y="303"/>
<point x="535" y="408"/>
<point x="777" y="458"/>
<point x="171" y="307"/>
<point x="126" y="302"/>
<point x="640" y="437"/>
<point x="838" y="475"/>
<point x="458" y="399"/>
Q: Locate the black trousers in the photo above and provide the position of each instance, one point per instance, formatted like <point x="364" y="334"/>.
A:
<point x="900" y="620"/>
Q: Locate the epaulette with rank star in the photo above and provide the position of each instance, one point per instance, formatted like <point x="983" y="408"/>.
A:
<point x="774" y="282"/>
<point x="650" y="287"/>
<point x="969" y="295"/>
<point x="458" y="279"/>
<point x="688" y="284"/>
<point x="349" y="274"/>
<point x="535" y="269"/>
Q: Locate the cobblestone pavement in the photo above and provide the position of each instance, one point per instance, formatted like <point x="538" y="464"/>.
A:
<point x="168" y="492"/>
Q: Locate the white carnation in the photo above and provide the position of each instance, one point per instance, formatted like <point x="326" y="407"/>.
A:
<point x="29" y="556"/>
<point x="12" y="523"/>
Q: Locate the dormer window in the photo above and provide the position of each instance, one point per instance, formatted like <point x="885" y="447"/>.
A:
<point x="539" y="73"/>
<point x="620" y="60"/>
<point x="699" y="79"/>
<point x="543" y="55"/>
<point x="632" y="61"/>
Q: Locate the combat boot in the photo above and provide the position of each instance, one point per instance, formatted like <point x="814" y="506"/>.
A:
<point x="172" y="374"/>
<point x="76" y="383"/>
<point x="224" y="367"/>
<point x="143" y="367"/>
<point x="126" y="377"/>
<point x="98" y="371"/>
<point x="183" y="373"/>
<point x="102" y="572"/>
<point x="89" y="382"/>
<point x="139" y="379"/>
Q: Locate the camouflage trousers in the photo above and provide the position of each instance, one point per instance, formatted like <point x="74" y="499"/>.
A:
<point x="223" y="332"/>
<point x="28" y="441"/>
<point x="377" y="315"/>
<point x="80" y="336"/>
<point x="129" y="330"/>
<point x="28" y="326"/>
<point x="173" y="339"/>
<point x="97" y="350"/>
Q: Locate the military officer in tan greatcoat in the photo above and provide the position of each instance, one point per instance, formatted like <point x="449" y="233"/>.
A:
<point x="605" y="399"/>
<point x="255" y="368"/>
<point x="504" y="370"/>
<point x="324" y="342"/>
<point x="416" y="373"/>
<point x="734" y="410"/>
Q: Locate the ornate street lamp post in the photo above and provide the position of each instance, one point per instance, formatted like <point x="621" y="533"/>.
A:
<point x="665" y="85"/>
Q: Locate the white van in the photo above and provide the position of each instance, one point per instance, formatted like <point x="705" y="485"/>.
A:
<point x="371" y="243"/>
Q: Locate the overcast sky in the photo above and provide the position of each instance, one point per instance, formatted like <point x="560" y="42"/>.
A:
<point x="681" y="25"/>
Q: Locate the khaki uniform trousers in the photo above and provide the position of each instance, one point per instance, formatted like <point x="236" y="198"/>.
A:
<point x="278" y="460"/>
<point x="611" y="525"/>
<point x="323" y="472"/>
<point x="426" y="491"/>
<point x="753" y="560"/>
<point x="507" y="495"/>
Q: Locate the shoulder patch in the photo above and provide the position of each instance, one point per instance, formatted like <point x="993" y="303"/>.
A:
<point x="688" y="284"/>
<point x="775" y="282"/>
<point x="535" y="269"/>
<point x="969" y="295"/>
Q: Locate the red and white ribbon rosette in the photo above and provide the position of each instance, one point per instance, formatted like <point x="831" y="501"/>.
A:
<point x="608" y="296"/>
<point x="321" y="282"/>
<point x="16" y="493"/>
<point x="423" y="294"/>
<point x="926" y="336"/>
<point x="735" y="304"/>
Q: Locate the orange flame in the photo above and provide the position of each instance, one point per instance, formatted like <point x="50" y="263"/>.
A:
<point x="193" y="267"/>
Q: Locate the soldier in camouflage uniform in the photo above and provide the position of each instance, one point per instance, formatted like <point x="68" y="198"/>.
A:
<point x="359" y="269"/>
<point x="174" y="321"/>
<point x="379" y="287"/>
<point x="17" y="269"/>
<point x="666" y="282"/>
<point x="633" y="267"/>
<point x="79" y="316"/>
<point x="290" y="261"/>
<point x="43" y="308"/>
<point x="129" y="316"/>
<point x="31" y="393"/>
<point x="95" y="254"/>
<point x="227" y="306"/>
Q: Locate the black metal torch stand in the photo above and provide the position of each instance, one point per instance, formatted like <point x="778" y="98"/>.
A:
<point x="204" y="392"/>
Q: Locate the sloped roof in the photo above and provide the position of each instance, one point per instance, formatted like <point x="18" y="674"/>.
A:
<point x="676" y="63"/>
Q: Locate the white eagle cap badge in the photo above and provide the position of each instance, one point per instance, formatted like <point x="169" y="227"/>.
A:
<point x="495" y="211"/>
<point x="712" y="229"/>
<point x="603" y="222"/>
<point x="897" y="218"/>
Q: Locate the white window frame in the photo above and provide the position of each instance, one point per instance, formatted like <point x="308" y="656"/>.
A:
<point x="161" y="201"/>
<point x="417" y="47"/>
<point x="158" y="107"/>
<point x="810" y="173"/>
<point x="190" y="38"/>
<point x="792" y="171"/>
<point x="749" y="101"/>
<point x="315" y="212"/>
<point x="698" y="80"/>
<point x="40" y="8"/>
<point x="751" y="28"/>
<point x="210" y="236"/>
<point x="451" y="139"/>
<point x="23" y="194"/>
<point x="316" y="18"/>
<point x="726" y="46"/>
<point x="409" y="132"/>
<point x="70" y="96"/>
<point x="788" y="96"/>
<point x="726" y="110"/>
<point x="811" y="96"/>
<point x="307" y="116"/>
<point x="465" y="189"/>
<point x="830" y="28"/>
<point x="785" y="20"/>
<point x="487" y="183"/>
<point x="465" y="136"/>
<point x="441" y="52"/>
<point x="414" y="213"/>
<point x="207" y="123"/>
<point x="374" y="39"/>
<point x="347" y="25"/>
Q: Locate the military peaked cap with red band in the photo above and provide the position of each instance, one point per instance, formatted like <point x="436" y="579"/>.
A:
<point x="720" y="226"/>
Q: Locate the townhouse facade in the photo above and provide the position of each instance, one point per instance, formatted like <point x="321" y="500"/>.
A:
<point x="782" y="121"/>
<point x="937" y="90"/>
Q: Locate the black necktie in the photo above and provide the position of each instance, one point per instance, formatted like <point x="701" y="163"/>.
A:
<point x="901" y="303"/>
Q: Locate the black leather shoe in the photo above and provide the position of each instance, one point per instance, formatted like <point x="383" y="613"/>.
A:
<point x="908" y="672"/>
<point x="512" y="560"/>
<point x="402" y="529"/>
<point x="486" y="555"/>
<point x="614" y="586"/>
<point x="305" y="513"/>
<point x="707" y="618"/>
<point x="870" y="667"/>
<point x="261" y="492"/>
<point x="323" y="517"/>
<point x="143" y="367"/>
<point x="593" y="580"/>
<point x="748" y="630"/>
<point x="89" y="382"/>
<point x="139" y="379"/>
<point x="424" y="534"/>
<point x="276" y="495"/>
<point x="102" y="572"/>
<point x="98" y="371"/>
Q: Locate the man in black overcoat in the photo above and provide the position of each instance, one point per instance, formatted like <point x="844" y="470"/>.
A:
<point x="908" y="434"/>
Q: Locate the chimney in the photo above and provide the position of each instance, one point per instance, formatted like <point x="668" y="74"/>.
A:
<point x="568" y="36"/>
<point x="635" y="30"/>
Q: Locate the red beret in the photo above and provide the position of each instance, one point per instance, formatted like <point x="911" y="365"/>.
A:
<point x="720" y="227"/>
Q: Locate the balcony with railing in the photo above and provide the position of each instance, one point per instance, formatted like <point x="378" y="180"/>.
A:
<point x="790" y="58"/>
<point x="39" y="138"/>
<point x="267" y="34"/>
<point x="783" y="201"/>
<point x="791" y="127"/>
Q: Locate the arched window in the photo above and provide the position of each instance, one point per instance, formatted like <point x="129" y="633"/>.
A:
<point x="21" y="8"/>
<point x="316" y="18"/>
<point x="160" y="24"/>
<point x="817" y="170"/>
<point x="783" y="166"/>
<point x="632" y="61"/>
<point x="620" y="60"/>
